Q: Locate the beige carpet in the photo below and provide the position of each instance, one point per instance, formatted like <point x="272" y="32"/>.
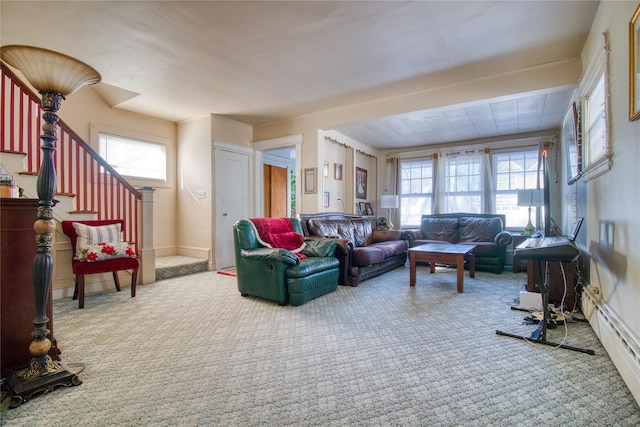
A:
<point x="191" y="351"/>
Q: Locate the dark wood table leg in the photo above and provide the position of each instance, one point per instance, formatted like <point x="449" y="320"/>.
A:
<point x="412" y="268"/>
<point x="472" y="264"/>
<point x="460" y="271"/>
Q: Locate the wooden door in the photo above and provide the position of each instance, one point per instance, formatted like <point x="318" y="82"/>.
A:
<point x="275" y="191"/>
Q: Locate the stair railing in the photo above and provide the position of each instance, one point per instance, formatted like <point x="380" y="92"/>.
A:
<point x="81" y="172"/>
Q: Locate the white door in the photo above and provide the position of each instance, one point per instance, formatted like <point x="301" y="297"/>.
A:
<point x="233" y="196"/>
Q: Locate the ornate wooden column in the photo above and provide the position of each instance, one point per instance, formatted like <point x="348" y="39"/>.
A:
<point x="55" y="76"/>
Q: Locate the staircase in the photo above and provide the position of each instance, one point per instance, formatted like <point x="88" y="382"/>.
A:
<point x="94" y="188"/>
<point x="87" y="187"/>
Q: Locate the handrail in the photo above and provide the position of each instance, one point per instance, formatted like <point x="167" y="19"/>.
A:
<point x="96" y="185"/>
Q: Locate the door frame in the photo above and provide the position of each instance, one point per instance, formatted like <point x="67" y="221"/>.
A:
<point x="259" y="147"/>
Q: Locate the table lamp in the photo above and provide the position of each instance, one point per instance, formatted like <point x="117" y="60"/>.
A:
<point x="529" y="198"/>
<point x="388" y="202"/>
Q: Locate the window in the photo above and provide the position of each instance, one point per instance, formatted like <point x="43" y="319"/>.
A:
<point x="463" y="183"/>
<point x="595" y="128"/>
<point x="134" y="158"/>
<point x="594" y="120"/>
<point x="416" y="183"/>
<point x="464" y="187"/>
<point x="514" y="170"/>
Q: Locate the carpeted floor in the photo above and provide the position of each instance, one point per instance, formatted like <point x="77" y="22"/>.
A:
<point x="190" y="351"/>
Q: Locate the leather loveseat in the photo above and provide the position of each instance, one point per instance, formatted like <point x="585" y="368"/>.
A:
<point x="362" y="251"/>
<point x="278" y="274"/>
<point x="486" y="231"/>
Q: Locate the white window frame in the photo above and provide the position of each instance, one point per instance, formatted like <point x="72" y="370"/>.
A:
<point x="407" y="197"/>
<point x="463" y="190"/>
<point x="597" y="156"/>
<point x="529" y="182"/>
<point x="97" y="130"/>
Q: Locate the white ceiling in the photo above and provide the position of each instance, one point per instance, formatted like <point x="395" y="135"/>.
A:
<point x="260" y="62"/>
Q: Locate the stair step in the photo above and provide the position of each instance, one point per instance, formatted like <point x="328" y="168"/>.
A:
<point x="175" y="266"/>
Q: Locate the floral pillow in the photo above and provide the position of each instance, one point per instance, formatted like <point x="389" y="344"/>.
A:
<point x="92" y="235"/>
<point x="106" y="251"/>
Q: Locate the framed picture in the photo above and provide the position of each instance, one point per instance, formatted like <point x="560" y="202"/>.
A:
<point x="368" y="209"/>
<point x="326" y="199"/>
<point x="337" y="171"/>
<point x="361" y="183"/>
<point x="634" y="66"/>
<point x="310" y="184"/>
<point x="570" y="142"/>
<point x="325" y="170"/>
<point x="362" y="209"/>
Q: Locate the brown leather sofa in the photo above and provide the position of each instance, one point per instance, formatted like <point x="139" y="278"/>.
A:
<point x="362" y="251"/>
<point x="486" y="231"/>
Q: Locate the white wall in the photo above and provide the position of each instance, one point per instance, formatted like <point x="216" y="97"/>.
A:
<point x="335" y="153"/>
<point x="195" y="229"/>
<point x="195" y="196"/>
<point x="614" y="196"/>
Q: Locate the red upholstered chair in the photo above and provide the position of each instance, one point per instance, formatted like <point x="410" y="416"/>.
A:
<point x="82" y="268"/>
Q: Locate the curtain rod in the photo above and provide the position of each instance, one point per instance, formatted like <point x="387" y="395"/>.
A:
<point x="491" y="145"/>
<point x="357" y="150"/>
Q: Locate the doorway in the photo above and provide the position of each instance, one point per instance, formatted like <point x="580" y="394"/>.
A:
<point x="277" y="182"/>
<point x="276" y="193"/>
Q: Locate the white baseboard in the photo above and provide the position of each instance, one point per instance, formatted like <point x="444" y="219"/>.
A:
<point x="622" y="345"/>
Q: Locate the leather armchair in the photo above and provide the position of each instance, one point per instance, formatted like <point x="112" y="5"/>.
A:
<point x="278" y="274"/>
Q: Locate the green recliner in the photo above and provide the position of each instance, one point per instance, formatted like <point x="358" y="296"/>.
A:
<point x="278" y="274"/>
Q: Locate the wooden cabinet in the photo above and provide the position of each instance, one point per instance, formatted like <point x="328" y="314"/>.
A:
<point x="17" y="303"/>
<point x="555" y="279"/>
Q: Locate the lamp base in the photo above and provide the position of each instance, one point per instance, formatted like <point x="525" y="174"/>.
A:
<point x="42" y="376"/>
<point x="529" y="229"/>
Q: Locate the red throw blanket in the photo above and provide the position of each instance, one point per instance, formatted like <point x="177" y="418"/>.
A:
<point x="278" y="233"/>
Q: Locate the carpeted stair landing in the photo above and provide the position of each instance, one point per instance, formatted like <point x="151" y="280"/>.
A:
<point x="175" y="266"/>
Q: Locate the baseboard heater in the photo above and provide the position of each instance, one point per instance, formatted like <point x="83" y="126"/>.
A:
<point x="619" y="342"/>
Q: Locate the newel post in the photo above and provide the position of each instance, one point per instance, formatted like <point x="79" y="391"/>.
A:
<point x="147" y="252"/>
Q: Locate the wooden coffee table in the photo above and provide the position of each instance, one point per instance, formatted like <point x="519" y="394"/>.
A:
<point x="445" y="253"/>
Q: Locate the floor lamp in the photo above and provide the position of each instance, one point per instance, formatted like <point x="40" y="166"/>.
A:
<point x="529" y="198"/>
<point x="388" y="202"/>
<point x="55" y="76"/>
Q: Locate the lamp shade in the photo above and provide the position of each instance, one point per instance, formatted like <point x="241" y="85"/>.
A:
<point x="530" y="197"/>
<point x="49" y="71"/>
<point x="389" y="201"/>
